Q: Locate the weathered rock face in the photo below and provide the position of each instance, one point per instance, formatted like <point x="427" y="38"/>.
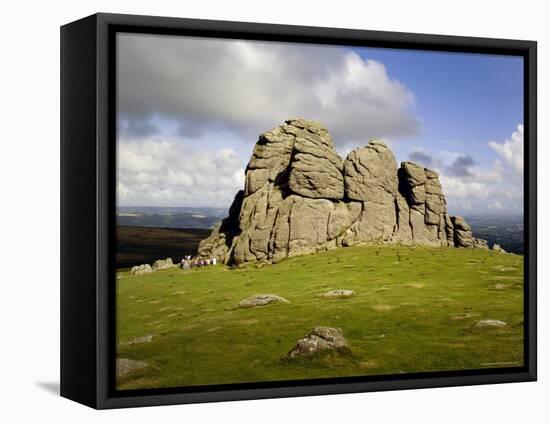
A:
<point x="315" y="168"/>
<point x="300" y="197"/>
<point x="370" y="175"/>
<point x="462" y="232"/>
<point x="422" y="201"/>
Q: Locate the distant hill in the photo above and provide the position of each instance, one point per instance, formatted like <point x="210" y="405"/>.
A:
<point x="138" y="245"/>
<point x="507" y="231"/>
<point x="170" y="217"/>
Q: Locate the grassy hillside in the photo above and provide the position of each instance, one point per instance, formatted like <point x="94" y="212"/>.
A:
<point x="137" y="245"/>
<point x="413" y="311"/>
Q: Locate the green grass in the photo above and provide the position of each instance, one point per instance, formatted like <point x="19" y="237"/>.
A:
<point x="413" y="311"/>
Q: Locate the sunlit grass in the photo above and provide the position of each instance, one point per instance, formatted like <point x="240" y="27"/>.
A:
<point x="413" y="311"/>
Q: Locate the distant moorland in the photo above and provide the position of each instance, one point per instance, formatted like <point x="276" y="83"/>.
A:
<point x="507" y="231"/>
<point x="179" y="232"/>
<point x="138" y="245"/>
<point x="170" y="217"/>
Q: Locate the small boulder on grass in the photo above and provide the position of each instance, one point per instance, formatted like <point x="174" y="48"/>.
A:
<point x="124" y="366"/>
<point x="489" y="324"/>
<point x="338" y="293"/>
<point x="463" y="316"/>
<point x="141" y="269"/>
<point x="497" y="247"/>
<point x="163" y="264"/>
<point x="319" y="339"/>
<point x="139" y="340"/>
<point x="261" y="300"/>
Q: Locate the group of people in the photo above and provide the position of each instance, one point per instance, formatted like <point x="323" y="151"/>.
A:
<point x="188" y="262"/>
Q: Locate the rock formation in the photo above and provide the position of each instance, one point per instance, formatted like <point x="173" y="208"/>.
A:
<point x="300" y="197"/>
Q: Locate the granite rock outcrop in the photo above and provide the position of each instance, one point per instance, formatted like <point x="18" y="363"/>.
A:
<point x="300" y="197"/>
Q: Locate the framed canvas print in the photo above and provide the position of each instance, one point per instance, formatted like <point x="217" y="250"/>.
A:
<point x="254" y="211"/>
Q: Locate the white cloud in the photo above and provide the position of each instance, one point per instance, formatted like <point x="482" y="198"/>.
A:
<point x="496" y="205"/>
<point x="496" y="189"/>
<point x="470" y="187"/>
<point x="183" y="100"/>
<point x="250" y="87"/>
<point x="170" y="173"/>
<point x="456" y="187"/>
<point x="511" y="150"/>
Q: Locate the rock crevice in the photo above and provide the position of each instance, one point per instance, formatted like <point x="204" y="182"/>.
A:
<point x="300" y="197"/>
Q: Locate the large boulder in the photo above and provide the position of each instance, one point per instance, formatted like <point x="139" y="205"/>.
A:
<point x="462" y="232"/>
<point x="308" y="223"/>
<point x="370" y="174"/>
<point x="256" y="220"/>
<point x="270" y="158"/>
<point x="342" y="217"/>
<point x="300" y="197"/>
<point x="427" y="208"/>
<point x="403" y="230"/>
<point x="315" y="167"/>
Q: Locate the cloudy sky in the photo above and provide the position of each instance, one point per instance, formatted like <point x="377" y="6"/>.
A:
<point x="190" y="111"/>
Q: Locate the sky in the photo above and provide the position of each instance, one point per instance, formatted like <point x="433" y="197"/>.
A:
<point x="190" y="111"/>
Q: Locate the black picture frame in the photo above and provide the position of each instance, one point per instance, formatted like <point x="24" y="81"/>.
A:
<point x="88" y="104"/>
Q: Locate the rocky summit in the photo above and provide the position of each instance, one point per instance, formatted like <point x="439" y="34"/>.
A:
<point x="300" y="197"/>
